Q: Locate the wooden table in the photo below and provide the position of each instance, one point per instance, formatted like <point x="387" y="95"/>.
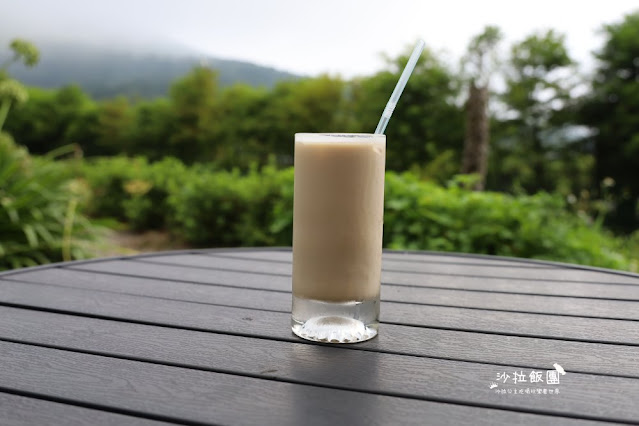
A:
<point x="203" y="337"/>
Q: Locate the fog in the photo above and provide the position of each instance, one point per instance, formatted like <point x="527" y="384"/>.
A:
<point x="303" y="37"/>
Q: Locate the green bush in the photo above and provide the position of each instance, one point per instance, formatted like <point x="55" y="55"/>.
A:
<point x="39" y="222"/>
<point x="422" y="215"/>
<point x="229" y="208"/>
<point x="133" y="190"/>
<point x="106" y="177"/>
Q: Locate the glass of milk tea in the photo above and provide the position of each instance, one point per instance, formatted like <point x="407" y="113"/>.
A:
<point x="338" y="218"/>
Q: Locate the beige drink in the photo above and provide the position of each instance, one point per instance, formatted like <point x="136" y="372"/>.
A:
<point x="337" y="229"/>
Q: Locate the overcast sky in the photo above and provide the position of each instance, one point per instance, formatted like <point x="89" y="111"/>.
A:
<point x="336" y="36"/>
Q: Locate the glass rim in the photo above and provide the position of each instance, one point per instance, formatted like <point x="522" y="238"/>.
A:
<point x="338" y="137"/>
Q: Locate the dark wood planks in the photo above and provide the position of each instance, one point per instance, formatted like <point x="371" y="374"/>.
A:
<point x="595" y="308"/>
<point x="283" y="282"/>
<point x="213" y="260"/>
<point x="16" y="410"/>
<point x="475" y="271"/>
<point x="451" y="323"/>
<point x="285" y="255"/>
<point x="448" y="297"/>
<point x="204" y="397"/>
<point x="517" y="286"/>
<point x="415" y="377"/>
<point x="513" y="323"/>
<point x="526" y="352"/>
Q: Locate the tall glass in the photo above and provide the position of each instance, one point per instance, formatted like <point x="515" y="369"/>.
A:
<point x="338" y="218"/>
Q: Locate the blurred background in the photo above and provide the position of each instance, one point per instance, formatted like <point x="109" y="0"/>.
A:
<point x="151" y="125"/>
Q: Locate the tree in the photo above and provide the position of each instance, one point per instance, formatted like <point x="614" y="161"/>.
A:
<point x="427" y="126"/>
<point x="479" y="63"/>
<point x="151" y="129"/>
<point x="538" y="87"/>
<point x="53" y="118"/>
<point x="242" y="136"/>
<point x="11" y="91"/>
<point x="612" y="110"/>
<point x="114" y="122"/>
<point x="302" y="106"/>
<point x="195" y="115"/>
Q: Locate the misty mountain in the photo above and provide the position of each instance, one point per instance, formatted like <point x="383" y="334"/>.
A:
<point x="107" y="72"/>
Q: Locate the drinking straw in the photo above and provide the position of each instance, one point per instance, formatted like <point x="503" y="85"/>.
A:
<point x="399" y="88"/>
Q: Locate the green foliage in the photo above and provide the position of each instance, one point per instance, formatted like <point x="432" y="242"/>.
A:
<point x="241" y="125"/>
<point x="227" y="209"/>
<point x="39" y="222"/>
<point x="11" y="91"/>
<point x="55" y="118"/>
<point x="24" y="51"/>
<point x="426" y="121"/>
<point x="307" y="105"/>
<point x="535" y="144"/>
<point x="539" y="79"/>
<point x="255" y="208"/>
<point x="240" y="134"/>
<point x="133" y="190"/>
<point x="150" y="129"/>
<point x="612" y="110"/>
<point x="194" y="110"/>
<point x="481" y="58"/>
<point x="113" y="123"/>
<point x="38" y="202"/>
<point x="539" y="54"/>
<point x="422" y="215"/>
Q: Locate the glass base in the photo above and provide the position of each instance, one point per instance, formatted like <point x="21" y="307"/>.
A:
<point x="333" y="322"/>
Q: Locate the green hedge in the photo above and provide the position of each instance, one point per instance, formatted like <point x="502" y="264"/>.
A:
<point x="422" y="215"/>
<point x="229" y="208"/>
<point x="132" y="190"/>
<point x="39" y="202"/>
